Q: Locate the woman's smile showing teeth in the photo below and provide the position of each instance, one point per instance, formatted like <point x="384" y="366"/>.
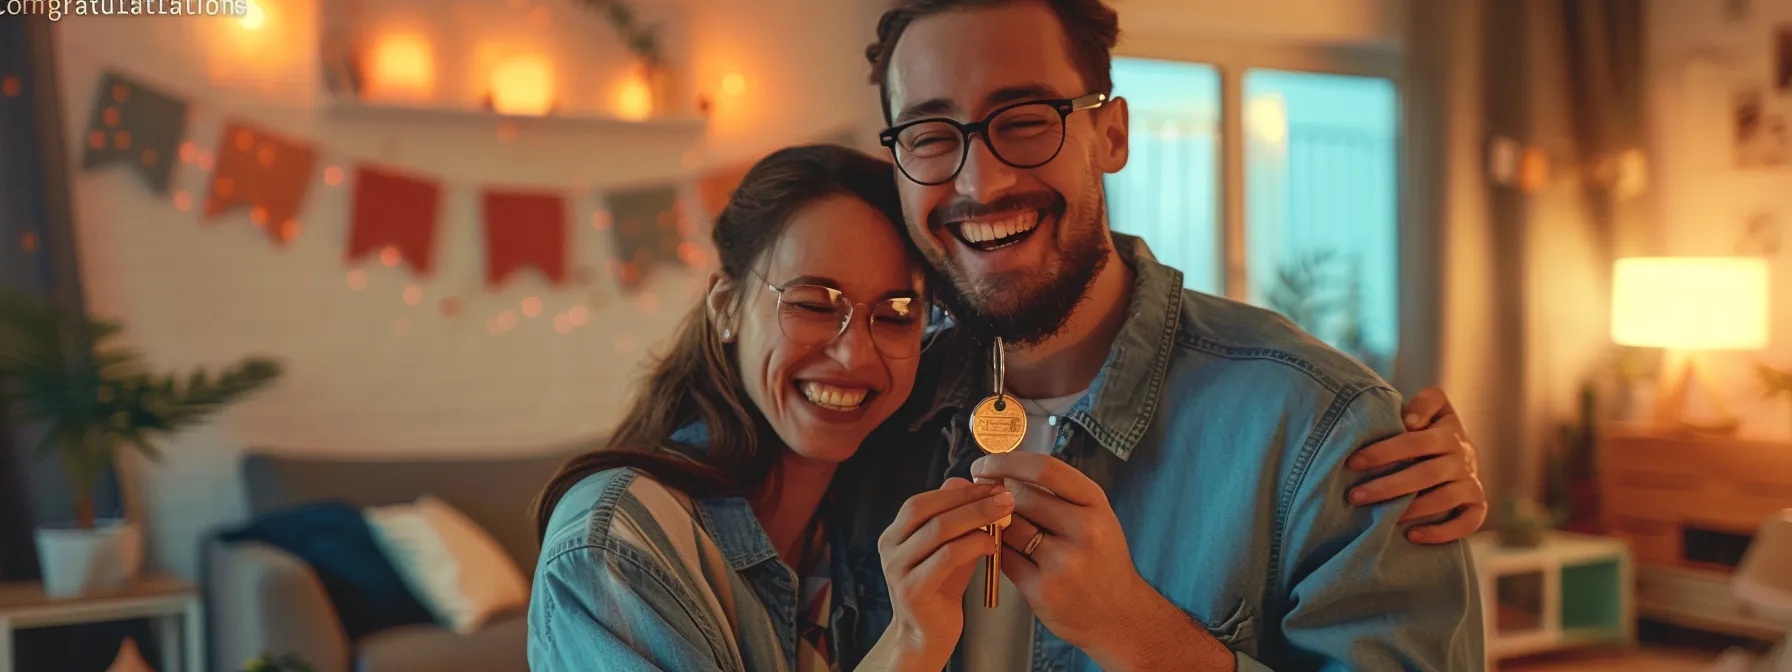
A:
<point x="833" y="397"/>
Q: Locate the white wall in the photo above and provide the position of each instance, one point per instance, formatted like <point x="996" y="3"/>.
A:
<point x="1698" y="58"/>
<point x="367" y="373"/>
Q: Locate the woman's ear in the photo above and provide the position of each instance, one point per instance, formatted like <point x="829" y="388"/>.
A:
<point x="720" y="303"/>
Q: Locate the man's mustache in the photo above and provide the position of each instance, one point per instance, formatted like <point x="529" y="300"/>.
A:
<point x="963" y="208"/>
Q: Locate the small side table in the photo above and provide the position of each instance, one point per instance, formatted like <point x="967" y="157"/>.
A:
<point x="1571" y="590"/>
<point x="171" y="605"/>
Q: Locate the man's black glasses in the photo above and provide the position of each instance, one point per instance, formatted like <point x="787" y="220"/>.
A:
<point x="1023" y="135"/>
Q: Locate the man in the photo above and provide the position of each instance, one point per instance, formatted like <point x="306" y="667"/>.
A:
<point x="1182" y="498"/>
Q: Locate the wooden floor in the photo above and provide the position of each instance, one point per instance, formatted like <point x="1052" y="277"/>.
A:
<point x="1645" y="659"/>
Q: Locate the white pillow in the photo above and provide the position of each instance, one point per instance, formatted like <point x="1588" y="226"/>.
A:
<point x="455" y="568"/>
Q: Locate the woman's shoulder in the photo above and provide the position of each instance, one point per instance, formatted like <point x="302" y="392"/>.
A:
<point x="617" y="509"/>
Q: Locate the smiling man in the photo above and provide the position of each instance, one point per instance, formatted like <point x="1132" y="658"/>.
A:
<point x="1184" y="490"/>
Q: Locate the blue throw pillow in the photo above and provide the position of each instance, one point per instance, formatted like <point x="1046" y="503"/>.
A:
<point x="335" y="540"/>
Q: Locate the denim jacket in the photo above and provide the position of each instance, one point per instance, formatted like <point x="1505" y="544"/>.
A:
<point x="1219" y="432"/>
<point x="636" y="576"/>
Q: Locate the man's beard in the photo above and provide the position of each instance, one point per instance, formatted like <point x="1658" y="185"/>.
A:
<point x="1037" y="307"/>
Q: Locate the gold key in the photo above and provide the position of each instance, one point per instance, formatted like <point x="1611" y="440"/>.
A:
<point x="997" y="425"/>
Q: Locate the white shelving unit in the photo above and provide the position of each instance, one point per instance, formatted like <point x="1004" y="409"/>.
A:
<point x="1572" y="590"/>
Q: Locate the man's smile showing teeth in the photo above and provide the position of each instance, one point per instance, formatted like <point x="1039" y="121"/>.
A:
<point x="997" y="234"/>
<point x="832" y="397"/>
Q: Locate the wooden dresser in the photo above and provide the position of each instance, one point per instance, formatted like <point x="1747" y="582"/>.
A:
<point x="1688" y="506"/>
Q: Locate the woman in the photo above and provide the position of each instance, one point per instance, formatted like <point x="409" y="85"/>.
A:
<point x="680" y="546"/>
<point x="699" y="537"/>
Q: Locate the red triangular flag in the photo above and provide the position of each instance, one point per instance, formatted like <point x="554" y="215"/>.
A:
<point x="524" y="229"/>
<point x="267" y="172"/>
<point x="393" y="210"/>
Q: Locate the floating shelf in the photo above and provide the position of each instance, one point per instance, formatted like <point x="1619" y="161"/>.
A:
<point x="355" y="110"/>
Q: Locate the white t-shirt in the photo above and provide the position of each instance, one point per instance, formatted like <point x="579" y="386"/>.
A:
<point x="1001" y="639"/>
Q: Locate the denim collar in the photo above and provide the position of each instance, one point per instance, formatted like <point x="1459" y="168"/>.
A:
<point x="729" y="520"/>
<point x="1124" y="395"/>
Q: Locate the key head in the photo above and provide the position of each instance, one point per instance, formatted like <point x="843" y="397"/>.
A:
<point x="998" y="431"/>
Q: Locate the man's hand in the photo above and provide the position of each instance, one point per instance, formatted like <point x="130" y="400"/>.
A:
<point x="1080" y="580"/>
<point x="1443" y="471"/>
<point x="929" y="554"/>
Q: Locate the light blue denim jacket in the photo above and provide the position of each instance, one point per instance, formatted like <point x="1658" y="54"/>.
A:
<point x="1219" y="432"/>
<point x="630" y="578"/>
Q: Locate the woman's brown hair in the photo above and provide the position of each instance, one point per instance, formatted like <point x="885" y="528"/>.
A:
<point x="697" y="380"/>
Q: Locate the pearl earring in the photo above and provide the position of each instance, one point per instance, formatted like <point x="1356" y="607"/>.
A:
<point x="727" y="334"/>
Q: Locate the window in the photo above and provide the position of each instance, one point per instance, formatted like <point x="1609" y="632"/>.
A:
<point x="1319" y="187"/>
<point x="1169" y="192"/>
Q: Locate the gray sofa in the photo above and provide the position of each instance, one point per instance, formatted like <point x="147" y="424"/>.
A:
<point x="261" y="599"/>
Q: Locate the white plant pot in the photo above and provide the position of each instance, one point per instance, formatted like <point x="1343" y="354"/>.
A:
<point x="79" y="562"/>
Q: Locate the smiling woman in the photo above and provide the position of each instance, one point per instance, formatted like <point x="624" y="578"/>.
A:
<point x="808" y="339"/>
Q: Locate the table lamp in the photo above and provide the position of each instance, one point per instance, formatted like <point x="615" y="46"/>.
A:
<point x="1688" y="305"/>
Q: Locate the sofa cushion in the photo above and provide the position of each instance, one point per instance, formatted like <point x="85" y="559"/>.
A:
<point x="500" y="646"/>
<point x="452" y="566"/>
<point x="494" y="491"/>
<point x="334" y="539"/>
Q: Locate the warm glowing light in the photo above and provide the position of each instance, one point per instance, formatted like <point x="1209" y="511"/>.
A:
<point x="577" y="315"/>
<point x="205" y="160"/>
<point x="634" y="99"/>
<point x="1266" y="117"/>
<point x="259" y="215"/>
<point x="690" y="254"/>
<point x="110" y="116"/>
<point x="357" y="279"/>
<point x="253" y="17"/>
<point x="28" y="242"/>
<point x="224" y="186"/>
<point x="413" y="295"/>
<point x="734" y="84"/>
<point x="10" y="86"/>
<point x="333" y="176"/>
<point x="1690" y="303"/>
<point x="402" y="67"/>
<point x="390" y="257"/>
<point x="122" y="140"/>
<point x="150" y="158"/>
<point x="96" y="139"/>
<point x="182" y="200"/>
<point x="289" y="230"/>
<point x="266" y="156"/>
<point x="523" y="85"/>
<point x="188" y="152"/>
<point x="531" y="306"/>
<point x="600" y="220"/>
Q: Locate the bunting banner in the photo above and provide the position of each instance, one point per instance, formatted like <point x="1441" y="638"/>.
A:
<point x="395" y="210"/>
<point x="644" y="231"/>
<point x="391" y="211"/>
<point x="264" y="171"/>
<point x="523" y="229"/>
<point x="136" y="124"/>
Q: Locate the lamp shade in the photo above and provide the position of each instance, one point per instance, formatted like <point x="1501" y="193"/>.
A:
<point x="1690" y="303"/>
<point x="1764" y="579"/>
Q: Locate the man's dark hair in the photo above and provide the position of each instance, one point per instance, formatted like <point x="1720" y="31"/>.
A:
<point x="1091" y="28"/>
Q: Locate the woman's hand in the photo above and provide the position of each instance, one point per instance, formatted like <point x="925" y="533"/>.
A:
<point x="929" y="555"/>
<point x="1442" y="469"/>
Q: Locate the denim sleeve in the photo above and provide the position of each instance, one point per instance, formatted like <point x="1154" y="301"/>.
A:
<point x="600" y="608"/>
<point x="1357" y="594"/>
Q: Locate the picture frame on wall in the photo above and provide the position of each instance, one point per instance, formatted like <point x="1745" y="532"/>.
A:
<point x="1759" y="130"/>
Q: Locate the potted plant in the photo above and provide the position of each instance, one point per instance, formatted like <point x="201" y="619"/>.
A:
<point x="92" y="399"/>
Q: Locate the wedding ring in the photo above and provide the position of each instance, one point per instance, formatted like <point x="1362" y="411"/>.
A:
<point x="1033" y="544"/>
